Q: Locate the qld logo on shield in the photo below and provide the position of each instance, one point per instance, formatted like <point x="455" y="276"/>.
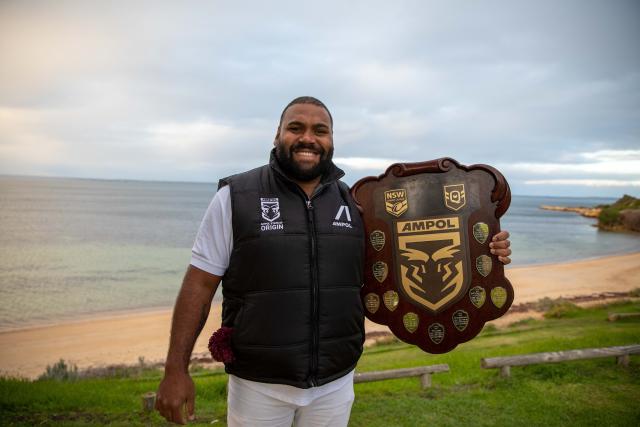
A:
<point x="431" y="260"/>
<point x="454" y="196"/>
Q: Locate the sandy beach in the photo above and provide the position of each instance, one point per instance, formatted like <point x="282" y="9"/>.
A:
<point x="126" y="337"/>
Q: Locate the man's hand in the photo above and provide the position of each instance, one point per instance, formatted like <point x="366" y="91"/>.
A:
<point x="176" y="395"/>
<point x="500" y="246"/>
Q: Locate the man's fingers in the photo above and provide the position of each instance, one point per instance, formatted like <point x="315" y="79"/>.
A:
<point x="191" y="408"/>
<point x="502" y="244"/>
<point x="501" y="252"/>
<point x="177" y="415"/>
<point x="503" y="235"/>
<point x="504" y="259"/>
<point x="162" y="408"/>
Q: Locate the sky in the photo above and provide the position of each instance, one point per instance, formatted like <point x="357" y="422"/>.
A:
<point x="548" y="92"/>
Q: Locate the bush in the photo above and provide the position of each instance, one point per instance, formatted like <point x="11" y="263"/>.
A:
<point x="561" y="309"/>
<point x="609" y="217"/>
<point x="556" y="308"/>
<point x="60" y="372"/>
<point x="610" y="214"/>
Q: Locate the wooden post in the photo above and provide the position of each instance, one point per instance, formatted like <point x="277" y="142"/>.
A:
<point x="623" y="360"/>
<point x="424" y="372"/>
<point x="425" y="380"/>
<point x="505" y="371"/>
<point x="618" y="316"/>
<point x="149" y="401"/>
<point x="621" y="353"/>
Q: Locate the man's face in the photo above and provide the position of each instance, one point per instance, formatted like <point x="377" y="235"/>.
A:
<point x="304" y="142"/>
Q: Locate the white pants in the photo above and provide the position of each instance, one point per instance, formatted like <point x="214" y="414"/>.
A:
<point x="246" y="407"/>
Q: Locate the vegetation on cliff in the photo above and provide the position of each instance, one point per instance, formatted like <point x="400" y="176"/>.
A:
<point x="621" y="215"/>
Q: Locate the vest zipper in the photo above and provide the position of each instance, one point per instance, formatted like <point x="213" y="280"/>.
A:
<point x="314" y="296"/>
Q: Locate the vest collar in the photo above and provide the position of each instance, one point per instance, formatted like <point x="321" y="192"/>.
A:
<point x="333" y="174"/>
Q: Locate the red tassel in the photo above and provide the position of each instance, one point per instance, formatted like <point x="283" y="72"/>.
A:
<point x="220" y="345"/>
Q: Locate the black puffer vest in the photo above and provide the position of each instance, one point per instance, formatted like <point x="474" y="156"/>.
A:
<point x="292" y="288"/>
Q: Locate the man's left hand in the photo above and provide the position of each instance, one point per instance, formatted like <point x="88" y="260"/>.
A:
<point x="500" y="246"/>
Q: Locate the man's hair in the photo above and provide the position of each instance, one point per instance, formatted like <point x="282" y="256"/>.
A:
<point x="306" y="100"/>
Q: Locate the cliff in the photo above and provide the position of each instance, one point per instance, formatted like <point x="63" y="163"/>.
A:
<point x="623" y="215"/>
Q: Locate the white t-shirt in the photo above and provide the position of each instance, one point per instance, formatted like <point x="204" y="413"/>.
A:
<point x="211" y="252"/>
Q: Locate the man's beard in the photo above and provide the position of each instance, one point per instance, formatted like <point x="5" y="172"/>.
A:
<point x="293" y="169"/>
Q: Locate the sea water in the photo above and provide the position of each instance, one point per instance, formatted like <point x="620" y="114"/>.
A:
<point x="76" y="247"/>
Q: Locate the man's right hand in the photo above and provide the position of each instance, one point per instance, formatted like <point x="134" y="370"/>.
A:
<point x="176" y="395"/>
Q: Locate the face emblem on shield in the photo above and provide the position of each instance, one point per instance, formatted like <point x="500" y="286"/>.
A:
<point x="431" y="262"/>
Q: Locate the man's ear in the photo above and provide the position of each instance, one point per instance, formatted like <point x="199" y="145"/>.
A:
<point x="275" y="139"/>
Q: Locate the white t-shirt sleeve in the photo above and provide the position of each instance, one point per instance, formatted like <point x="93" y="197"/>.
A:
<point x="212" y="248"/>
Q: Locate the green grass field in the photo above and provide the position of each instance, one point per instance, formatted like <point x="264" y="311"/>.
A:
<point x="592" y="392"/>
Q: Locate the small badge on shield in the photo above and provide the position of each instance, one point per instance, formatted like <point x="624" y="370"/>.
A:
<point x="395" y="201"/>
<point x="454" y="196"/>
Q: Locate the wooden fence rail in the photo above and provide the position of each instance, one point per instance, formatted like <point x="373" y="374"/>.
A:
<point x="619" y="316"/>
<point x="424" y="372"/>
<point x="621" y="353"/>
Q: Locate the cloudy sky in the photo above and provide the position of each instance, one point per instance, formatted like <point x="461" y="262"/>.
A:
<point x="546" y="91"/>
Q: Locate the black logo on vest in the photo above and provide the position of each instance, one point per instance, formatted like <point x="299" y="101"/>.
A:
<point x="343" y="212"/>
<point x="270" y="212"/>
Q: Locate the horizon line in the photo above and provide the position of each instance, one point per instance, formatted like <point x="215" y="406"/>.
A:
<point x="160" y="181"/>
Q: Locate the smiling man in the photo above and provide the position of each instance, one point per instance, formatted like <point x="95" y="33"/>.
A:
<point x="286" y="240"/>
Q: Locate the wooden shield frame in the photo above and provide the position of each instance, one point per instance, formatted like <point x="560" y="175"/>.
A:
<point x="429" y="273"/>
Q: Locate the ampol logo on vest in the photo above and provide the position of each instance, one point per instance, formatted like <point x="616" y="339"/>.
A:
<point x="343" y="211"/>
<point x="270" y="208"/>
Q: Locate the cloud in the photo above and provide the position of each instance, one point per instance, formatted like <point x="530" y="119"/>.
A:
<point x="364" y="163"/>
<point x="193" y="91"/>
<point x="585" y="182"/>
<point x="602" y="162"/>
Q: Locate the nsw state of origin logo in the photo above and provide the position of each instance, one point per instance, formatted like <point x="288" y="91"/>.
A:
<point x="270" y="208"/>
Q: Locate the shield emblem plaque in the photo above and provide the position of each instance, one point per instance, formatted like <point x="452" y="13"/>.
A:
<point x="433" y="280"/>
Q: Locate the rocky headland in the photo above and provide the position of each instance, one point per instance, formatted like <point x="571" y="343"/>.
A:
<point x="623" y="215"/>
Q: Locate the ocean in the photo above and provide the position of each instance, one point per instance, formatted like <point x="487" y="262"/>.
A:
<point x="71" y="248"/>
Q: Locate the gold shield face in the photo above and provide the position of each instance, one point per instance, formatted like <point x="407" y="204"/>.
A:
<point x="431" y="261"/>
<point x="498" y="296"/>
<point x="377" y="240"/>
<point x="480" y="232"/>
<point x="395" y="201"/>
<point x="380" y="270"/>
<point x="454" y="196"/>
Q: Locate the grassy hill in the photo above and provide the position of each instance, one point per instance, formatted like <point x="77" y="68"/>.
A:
<point x="609" y="217"/>
<point x="593" y="392"/>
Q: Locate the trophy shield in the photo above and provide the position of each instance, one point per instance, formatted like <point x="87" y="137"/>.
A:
<point x="429" y="273"/>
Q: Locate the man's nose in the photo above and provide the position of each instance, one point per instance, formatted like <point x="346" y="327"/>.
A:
<point x="308" y="136"/>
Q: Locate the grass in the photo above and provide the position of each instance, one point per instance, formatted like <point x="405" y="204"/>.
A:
<point x="591" y="392"/>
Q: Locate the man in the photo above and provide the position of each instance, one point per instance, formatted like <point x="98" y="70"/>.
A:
<point x="292" y="276"/>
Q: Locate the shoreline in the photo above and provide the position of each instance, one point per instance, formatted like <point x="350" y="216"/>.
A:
<point x="123" y="337"/>
<point x="116" y="313"/>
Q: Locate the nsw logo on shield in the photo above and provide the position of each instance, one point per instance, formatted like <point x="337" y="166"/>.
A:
<point x="432" y="262"/>
<point x="395" y="201"/>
